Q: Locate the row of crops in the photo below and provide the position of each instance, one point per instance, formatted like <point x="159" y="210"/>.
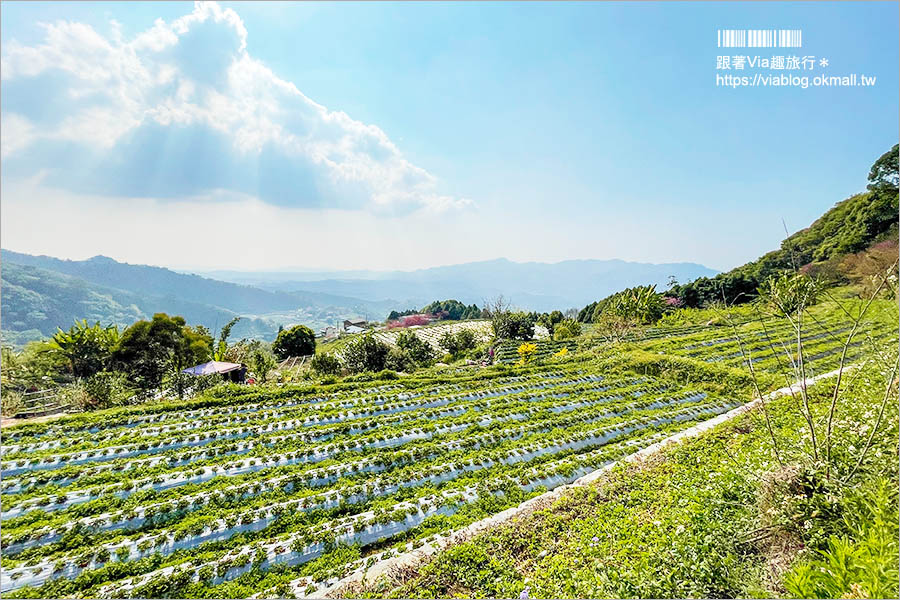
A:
<point x="185" y="500"/>
<point x="508" y="351"/>
<point x="117" y="506"/>
<point x="772" y="344"/>
<point x="432" y="334"/>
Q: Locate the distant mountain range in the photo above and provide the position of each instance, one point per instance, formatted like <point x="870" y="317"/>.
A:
<point x="530" y="285"/>
<point x="41" y="293"/>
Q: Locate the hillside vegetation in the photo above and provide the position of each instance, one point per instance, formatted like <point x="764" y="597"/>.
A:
<point x="716" y="517"/>
<point x="36" y="301"/>
<point x="172" y="500"/>
<point x="41" y="293"/>
<point x="851" y="226"/>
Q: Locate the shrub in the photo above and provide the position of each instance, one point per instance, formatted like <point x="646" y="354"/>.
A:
<point x="459" y="342"/>
<point x="417" y="350"/>
<point x="866" y="268"/>
<point x="787" y="294"/>
<point x="478" y="352"/>
<point x="526" y="352"/>
<point x="299" y="340"/>
<point x="108" y="388"/>
<point x="398" y="360"/>
<point x="325" y="364"/>
<point x="76" y="396"/>
<point x="567" y="329"/>
<point x="10" y="401"/>
<point x="861" y="562"/>
<point x="641" y="304"/>
<point x="615" y="328"/>
<point x="513" y="325"/>
<point x="365" y="354"/>
<point x="262" y="363"/>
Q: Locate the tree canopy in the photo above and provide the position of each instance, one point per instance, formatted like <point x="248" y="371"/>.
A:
<point x="365" y="353"/>
<point x="513" y="325"/>
<point x="299" y="340"/>
<point x="640" y="304"/>
<point x="453" y="310"/>
<point x="148" y="349"/>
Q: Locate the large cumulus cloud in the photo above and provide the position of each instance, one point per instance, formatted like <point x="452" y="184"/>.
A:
<point x="182" y="110"/>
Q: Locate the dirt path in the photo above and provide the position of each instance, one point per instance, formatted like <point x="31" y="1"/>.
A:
<point x="9" y="421"/>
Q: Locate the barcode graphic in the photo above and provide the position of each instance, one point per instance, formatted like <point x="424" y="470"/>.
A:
<point x="760" y="38"/>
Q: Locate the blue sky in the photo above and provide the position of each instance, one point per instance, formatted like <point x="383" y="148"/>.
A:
<point x="403" y="135"/>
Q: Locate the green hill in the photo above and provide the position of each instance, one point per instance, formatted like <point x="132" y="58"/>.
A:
<point x="158" y="281"/>
<point x="851" y="226"/>
<point x="37" y="301"/>
<point x="41" y="293"/>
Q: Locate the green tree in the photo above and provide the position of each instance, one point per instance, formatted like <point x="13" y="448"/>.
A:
<point x="299" y="340"/>
<point x="453" y="310"/>
<point x="106" y="389"/>
<point x="513" y="325"/>
<point x="148" y="350"/>
<point x="365" y="353"/>
<point x="567" y="329"/>
<point x="884" y="175"/>
<point x="586" y="314"/>
<point x="222" y="345"/>
<point x="325" y="364"/>
<point x="789" y="294"/>
<point x="641" y="304"/>
<point x="418" y="351"/>
<point x="87" y="348"/>
<point x="398" y="360"/>
<point x="459" y="342"/>
<point x="261" y="362"/>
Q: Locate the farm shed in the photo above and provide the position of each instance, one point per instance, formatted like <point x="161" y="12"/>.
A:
<point x="233" y="372"/>
<point x="359" y="323"/>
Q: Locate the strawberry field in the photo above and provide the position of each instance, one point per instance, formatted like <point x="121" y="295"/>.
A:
<point x="292" y="485"/>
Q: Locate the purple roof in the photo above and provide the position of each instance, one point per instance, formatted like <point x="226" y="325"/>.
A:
<point x="213" y="366"/>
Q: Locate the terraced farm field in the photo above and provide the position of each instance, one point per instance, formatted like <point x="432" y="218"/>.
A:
<point x="432" y="334"/>
<point x="770" y="344"/>
<point x="508" y="351"/>
<point x="245" y="489"/>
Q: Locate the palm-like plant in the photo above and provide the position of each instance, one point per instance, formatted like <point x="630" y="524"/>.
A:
<point x="86" y="347"/>
<point x="640" y="303"/>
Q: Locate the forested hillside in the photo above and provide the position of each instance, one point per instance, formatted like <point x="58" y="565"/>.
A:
<point x="144" y="279"/>
<point x="41" y="293"/>
<point x="37" y="301"/>
<point x="851" y="226"/>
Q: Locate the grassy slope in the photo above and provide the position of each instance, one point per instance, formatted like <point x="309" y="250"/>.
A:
<point x="685" y="523"/>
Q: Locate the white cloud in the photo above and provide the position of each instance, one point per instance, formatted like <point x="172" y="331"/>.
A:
<point x="182" y="109"/>
<point x="223" y="229"/>
<point x="17" y="133"/>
